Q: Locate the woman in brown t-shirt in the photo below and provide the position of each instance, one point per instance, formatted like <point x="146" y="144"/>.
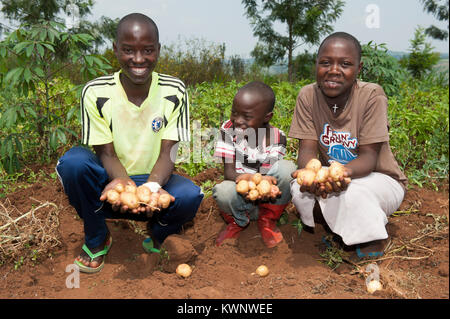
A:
<point x="340" y="118"/>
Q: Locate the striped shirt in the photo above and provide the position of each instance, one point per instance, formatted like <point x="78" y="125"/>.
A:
<point x="250" y="158"/>
<point x="107" y="116"/>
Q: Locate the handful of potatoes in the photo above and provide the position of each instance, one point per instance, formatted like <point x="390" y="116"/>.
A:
<point x="315" y="172"/>
<point x="133" y="197"/>
<point x="257" y="188"/>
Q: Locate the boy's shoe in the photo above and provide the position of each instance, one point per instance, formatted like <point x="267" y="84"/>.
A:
<point x="267" y="223"/>
<point x="232" y="230"/>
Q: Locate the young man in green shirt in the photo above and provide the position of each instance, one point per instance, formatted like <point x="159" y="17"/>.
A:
<point x="133" y="119"/>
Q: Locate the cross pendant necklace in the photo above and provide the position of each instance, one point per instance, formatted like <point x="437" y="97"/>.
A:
<point x="335" y="107"/>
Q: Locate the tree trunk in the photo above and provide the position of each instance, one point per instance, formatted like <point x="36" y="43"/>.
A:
<point x="290" y="49"/>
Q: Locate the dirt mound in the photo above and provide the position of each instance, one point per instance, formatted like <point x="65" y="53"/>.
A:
<point x="176" y="250"/>
<point x="416" y="265"/>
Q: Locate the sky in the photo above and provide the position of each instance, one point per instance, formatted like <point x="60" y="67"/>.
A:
<point x="218" y="21"/>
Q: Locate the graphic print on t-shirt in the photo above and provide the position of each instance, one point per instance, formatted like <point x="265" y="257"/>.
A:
<point x="338" y="144"/>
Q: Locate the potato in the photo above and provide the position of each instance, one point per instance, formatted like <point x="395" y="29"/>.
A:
<point x="251" y="185"/>
<point x="129" y="199"/>
<point x="130" y="188"/>
<point x="143" y="194"/>
<point x="314" y="164"/>
<point x="373" y="286"/>
<point x="322" y="175"/>
<point x="263" y="187"/>
<point x="305" y="177"/>
<point x="262" y="271"/>
<point x="336" y="171"/>
<point x="242" y="187"/>
<point x="164" y="200"/>
<point x="274" y="190"/>
<point x="256" y="178"/>
<point x="119" y="188"/>
<point x="253" y="195"/>
<point x="184" y="270"/>
<point x="154" y="200"/>
<point x="112" y="196"/>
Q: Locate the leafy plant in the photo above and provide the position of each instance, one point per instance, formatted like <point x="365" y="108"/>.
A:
<point x="381" y="68"/>
<point x="207" y="187"/>
<point x="298" y="225"/>
<point x="32" y="57"/>
<point x="421" y="59"/>
<point x="419" y="132"/>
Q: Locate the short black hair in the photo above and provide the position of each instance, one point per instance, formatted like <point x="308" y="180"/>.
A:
<point x="263" y="90"/>
<point x="136" y="17"/>
<point x="345" y="36"/>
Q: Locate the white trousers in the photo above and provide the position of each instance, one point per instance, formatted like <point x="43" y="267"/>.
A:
<point x="358" y="214"/>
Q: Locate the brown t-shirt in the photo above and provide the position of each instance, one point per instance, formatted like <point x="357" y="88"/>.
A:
<point x="363" y="121"/>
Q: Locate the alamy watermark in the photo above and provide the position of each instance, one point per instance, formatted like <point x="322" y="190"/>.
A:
<point x="373" y="17"/>
<point x="205" y="141"/>
<point x="72" y="16"/>
<point x="73" y="279"/>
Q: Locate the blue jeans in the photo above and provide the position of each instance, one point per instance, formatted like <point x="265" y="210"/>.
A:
<point x="84" y="178"/>
<point x="232" y="203"/>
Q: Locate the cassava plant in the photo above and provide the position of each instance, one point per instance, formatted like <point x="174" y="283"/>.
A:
<point x="32" y="58"/>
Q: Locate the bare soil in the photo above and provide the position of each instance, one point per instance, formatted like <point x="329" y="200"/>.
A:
<point x="416" y="266"/>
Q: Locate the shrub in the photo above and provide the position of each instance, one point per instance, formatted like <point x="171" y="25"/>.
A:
<point x="421" y="59"/>
<point x="419" y="132"/>
<point x="382" y="68"/>
<point x="194" y="61"/>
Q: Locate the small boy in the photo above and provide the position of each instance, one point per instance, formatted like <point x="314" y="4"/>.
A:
<point x="249" y="144"/>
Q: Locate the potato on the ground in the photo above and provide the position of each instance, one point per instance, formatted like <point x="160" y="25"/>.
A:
<point x="184" y="270"/>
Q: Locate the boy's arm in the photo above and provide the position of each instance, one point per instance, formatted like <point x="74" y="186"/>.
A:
<point x="164" y="166"/>
<point x="230" y="172"/>
<point x="366" y="161"/>
<point x="307" y="150"/>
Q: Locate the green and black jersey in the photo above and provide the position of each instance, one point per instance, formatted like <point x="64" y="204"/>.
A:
<point x="136" y="131"/>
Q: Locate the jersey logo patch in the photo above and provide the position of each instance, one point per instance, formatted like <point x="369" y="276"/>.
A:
<point x="339" y="144"/>
<point x="157" y="124"/>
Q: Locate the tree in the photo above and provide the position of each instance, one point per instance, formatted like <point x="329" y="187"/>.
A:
<point x="305" y="21"/>
<point x="32" y="11"/>
<point x="28" y="12"/>
<point x="421" y="59"/>
<point x="439" y="9"/>
<point x="30" y="65"/>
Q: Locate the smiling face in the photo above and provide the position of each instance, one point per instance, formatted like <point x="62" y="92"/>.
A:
<point x="249" y="110"/>
<point x="137" y="50"/>
<point x="337" y="67"/>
